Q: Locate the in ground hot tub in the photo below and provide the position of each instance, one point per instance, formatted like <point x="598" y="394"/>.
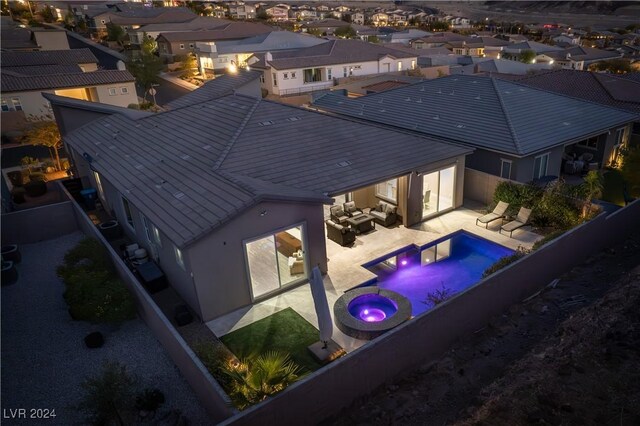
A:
<point x="368" y="312"/>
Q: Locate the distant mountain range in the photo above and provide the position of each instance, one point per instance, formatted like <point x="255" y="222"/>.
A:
<point x="562" y="6"/>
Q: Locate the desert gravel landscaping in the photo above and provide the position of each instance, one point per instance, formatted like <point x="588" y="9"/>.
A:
<point x="44" y="358"/>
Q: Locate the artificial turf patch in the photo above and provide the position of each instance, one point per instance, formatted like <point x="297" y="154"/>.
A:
<point x="285" y="331"/>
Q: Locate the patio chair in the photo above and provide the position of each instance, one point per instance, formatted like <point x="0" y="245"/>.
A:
<point x="497" y="213"/>
<point x="425" y="199"/>
<point x="338" y="215"/>
<point x="351" y="210"/>
<point x="522" y="219"/>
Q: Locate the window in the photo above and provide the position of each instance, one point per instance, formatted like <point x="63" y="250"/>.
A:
<point x="312" y="75"/>
<point x="286" y="76"/>
<point x="18" y="106"/>
<point x="181" y="46"/>
<point x="102" y="21"/>
<point x="591" y="143"/>
<point x="112" y="91"/>
<point x="345" y="70"/>
<point x="329" y="77"/>
<point x="150" y="230"/>
<point x="179" y="258"/>
<point x="413" y="65"/>
<point x="262" y="79"/>
<point x="388" y="190"/>
<point x="127" y="212"/>
<point x="293" y="75"/>
<point x="96" y="176"/>
<point x="399" y="66"/>
<point x="540" y="164"/>
<point x="124" y="90"/>
<point x="190" y="45"/>
<point x="275" y="79"/>
<point x="505" y="168"/>
<point x="5" y="105"/>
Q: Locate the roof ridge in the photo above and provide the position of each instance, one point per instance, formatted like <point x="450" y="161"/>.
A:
<point x="227" y="149"/>
<point x="506" y="116"/>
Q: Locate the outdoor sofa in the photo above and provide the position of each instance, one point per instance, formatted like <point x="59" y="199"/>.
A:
<point x="384" y="213"/>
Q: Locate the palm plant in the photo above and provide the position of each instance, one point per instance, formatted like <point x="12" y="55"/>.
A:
<point x="592" y="188"/>
<point x="253" y="380"/>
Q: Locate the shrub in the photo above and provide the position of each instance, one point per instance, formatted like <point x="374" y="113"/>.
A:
<point x="217" y="358"/>
<point x="92" y="289"/>
<point x="438" y="296"/>
<point x="552" y="236"/>
<point x="108" y="397"/>
<point x="517" y="195"/>
<point x="505" y="261"/>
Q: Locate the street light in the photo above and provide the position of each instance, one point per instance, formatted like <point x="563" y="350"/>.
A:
<point x="233" y="68"/>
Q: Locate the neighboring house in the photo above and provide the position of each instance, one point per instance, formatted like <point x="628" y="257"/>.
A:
<point x="358" y="18"/>
<point x="578" y="58"/>
<point x="242" y="11"/>
<point x="467" y="49"/>
<point x="315" y="68"/>
<point x="499" y="66"/>
<point x="16" y="38"/>
<point x="404" y="37"/>
<point x="493" y="47"/>
<point x="438" y="40"/>
<point x="380" y="19"/>
<point x="514" y="51"/>
<point x="241" y="184"/>
<point x="460" y="23"/>
<point x="134" y="18"/>
<point x="567" y="38"/>
<point x="278" y="13"/>
<point x="71" y="73"/>
<point x="183" y="42"/>
<point x="518" y="132"/>
<point x="606" y="89"/>
<point x="216" y="56"/>
<point x="198" y="23"/>
<point x="325" y="26"/>
<point x="375" y="84"/>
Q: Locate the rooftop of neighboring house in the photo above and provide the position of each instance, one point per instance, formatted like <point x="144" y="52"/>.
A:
<point x="217" y="171"/>
<point x="483" y="112"/>
<point x="48" y="57"/>
<point x="500" y="66"/>
<point x="15" y="37"/>
<point x="329" y="53"/>
<point x="216" y="88"/>
<point x="54" y="69"/>
<point x="232" y="30"/>
<point x="445" y="37"/>
<point x="194" y="24"/>
<point x="463" y="43"/>
<point x="531" y="45"/>
<point x="376" y="83"/>
<point x="607" y="89"/>
<point x="583" y="54"/>
<point x="276" y="40"/>
<point x="492" y="41"/>
<point x="149" y="15"/>
<point x="327" y="23"/>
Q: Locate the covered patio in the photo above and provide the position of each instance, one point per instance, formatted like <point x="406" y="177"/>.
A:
<point x="345" y="270"/>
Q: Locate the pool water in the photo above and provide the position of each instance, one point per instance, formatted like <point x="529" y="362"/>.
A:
<point x="438" y="270"/>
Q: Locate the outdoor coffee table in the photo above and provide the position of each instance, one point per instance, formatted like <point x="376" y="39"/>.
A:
<point x="362" y="223"/>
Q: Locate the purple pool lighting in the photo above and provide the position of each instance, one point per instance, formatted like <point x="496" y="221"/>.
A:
<point x="372" y="308"/>
<point x="404" y="262"/>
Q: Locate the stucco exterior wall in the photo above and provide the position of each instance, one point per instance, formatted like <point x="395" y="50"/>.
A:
<point x="218" y="261"/>
<point x="119" y="99"/>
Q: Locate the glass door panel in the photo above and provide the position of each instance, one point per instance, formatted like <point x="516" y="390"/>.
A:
<point x="445" y="195"/>
<point x="430" y="188"/>
<point x="291" y="257"/>
<point x="263" y="267"/>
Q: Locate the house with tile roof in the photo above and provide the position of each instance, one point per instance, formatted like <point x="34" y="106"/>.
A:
<point x="198" y="23"/>
<point x="577" y="57"/>
<point x="132" y="18"/>
<point x="73" y="73"/>
<point x="218" y="190"/>
<point x="518" y="132"/>
<point x="217" y="56"/>
<point x="316" y="68"/>
<point x="175" y="43"/>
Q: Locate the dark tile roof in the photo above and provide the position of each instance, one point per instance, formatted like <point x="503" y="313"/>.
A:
<point x="13" y="82"/>
<point x="332" y="52"/>
<point x="584" y="54"/>
<point x="192" y="169"/>
<point x="48" y="57"/>
<point x="220" y="86"/>
<point x="43" y="69"/>
<point x="607" y="89"/>
<point x="384" y="86"/>
<point x="233" y="30"/>
<point x="483" y="112"/>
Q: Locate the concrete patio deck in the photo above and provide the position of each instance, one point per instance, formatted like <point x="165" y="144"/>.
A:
<point x="345" y="270"/>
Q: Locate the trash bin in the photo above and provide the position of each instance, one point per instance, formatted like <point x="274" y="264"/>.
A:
<point x="89" y="195"/>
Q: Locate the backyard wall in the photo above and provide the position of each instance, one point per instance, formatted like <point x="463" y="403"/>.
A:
<point x="38" y="223"/>
<point x="211" y="395"/>
<point x="425" y="339"/>
<point x="480" y="186"/>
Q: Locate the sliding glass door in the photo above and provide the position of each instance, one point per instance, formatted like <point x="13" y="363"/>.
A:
<point x="438" y="191"/>
<point x="276" y="260"/>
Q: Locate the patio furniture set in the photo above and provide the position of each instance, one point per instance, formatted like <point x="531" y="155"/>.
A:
<point x="348" y="220"/>
<point x="521" y="219"/>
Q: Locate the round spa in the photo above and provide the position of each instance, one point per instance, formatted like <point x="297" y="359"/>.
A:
<point x="368" y="312"/>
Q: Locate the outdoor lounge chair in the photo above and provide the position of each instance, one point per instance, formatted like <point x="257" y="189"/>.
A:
<point x="522" y="219"/>
<point x="497" y="213"/>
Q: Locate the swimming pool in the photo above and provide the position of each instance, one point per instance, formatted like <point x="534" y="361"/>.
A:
<point x="426" y="275"/>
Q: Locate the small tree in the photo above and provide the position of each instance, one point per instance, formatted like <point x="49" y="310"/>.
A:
<point x="262" y="15"/>
<point x="345" y="32"/>
<point x="527" y="56"/>
<point x="631" y="170"/>
<point x="110" y="396"/>
<point x="148" y="66"/>
<point x="46" y="134"/>
<point x="188" y="65"/>
<point x="47" y="14"/>
<point x="592" y="189"/>
<point x="116" y="33"/>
